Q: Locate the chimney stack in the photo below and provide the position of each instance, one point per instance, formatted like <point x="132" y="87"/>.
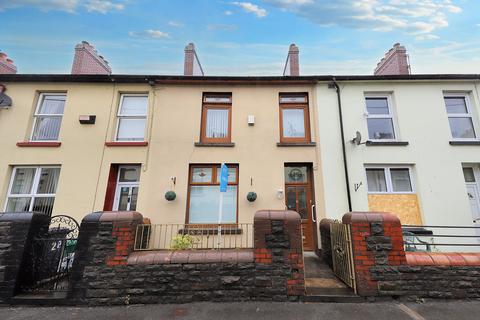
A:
<point x="88" y="61"/>
<point x="192" y="66"/>
<point x="395" y="62"/>
<point x="6" y="64"/>
<point x="292" y="66"/>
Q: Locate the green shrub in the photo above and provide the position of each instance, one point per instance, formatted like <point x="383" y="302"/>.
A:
<point x="182" y="242"/>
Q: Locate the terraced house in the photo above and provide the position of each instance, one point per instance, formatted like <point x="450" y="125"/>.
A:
<point x="319" y="145"/>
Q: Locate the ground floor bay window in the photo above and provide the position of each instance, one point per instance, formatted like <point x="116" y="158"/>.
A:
<point x="32" y="189"/>
<point x="204" y="195"/>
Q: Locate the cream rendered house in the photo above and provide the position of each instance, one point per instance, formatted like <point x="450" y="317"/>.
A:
<point x="74" y="144"/>
<point x="93" y="141"/>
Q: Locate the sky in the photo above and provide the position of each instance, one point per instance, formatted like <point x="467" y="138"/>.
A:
<point x="242" y="37"/>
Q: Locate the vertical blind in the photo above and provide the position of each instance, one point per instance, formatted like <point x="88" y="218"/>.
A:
<point x="48" y="117"/>
<point x="33" y="189"/>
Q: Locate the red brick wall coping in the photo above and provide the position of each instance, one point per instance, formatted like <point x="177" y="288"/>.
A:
<point x="25" y="144"/>
<point x="276" y="215"/>
<point x="369" y="217"/>
<point x="191" y="256"/>
<point x="443" y="259"/>
<point x="114" y="216"/>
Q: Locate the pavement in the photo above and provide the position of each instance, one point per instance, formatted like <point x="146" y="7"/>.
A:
<point x="392" y="310"/>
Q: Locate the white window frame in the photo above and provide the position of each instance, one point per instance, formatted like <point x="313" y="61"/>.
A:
<point x="36" y="114"/>
<point x="129" y="185"/>
<point x="132" y="116"/>
<point x="469" y="114"/>
<point x="388" y="178"/>
<point x="32" y="194"/>
<point x="391" y="114"/>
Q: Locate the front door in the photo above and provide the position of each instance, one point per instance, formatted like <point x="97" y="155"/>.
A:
<point x="299" y="197"/>
<point x="471" y="175"/>
<point x="126" y="192"/>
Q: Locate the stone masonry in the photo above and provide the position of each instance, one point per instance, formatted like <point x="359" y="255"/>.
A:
<point x="106" y="271"/>
<point x="383" y="268"/>
<point x="16" y="232"/>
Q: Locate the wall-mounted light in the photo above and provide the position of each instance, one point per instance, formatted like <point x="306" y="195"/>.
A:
<point x="280" y="194"/>
<point x="87" y="119"/>
<point x="251" y="120"/>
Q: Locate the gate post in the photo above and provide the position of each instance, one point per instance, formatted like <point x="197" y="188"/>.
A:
<point x="17" y="230"/>
<point x="377" y="241"/>
<point x="278" y="252"/>
<point x="106" y="238"/>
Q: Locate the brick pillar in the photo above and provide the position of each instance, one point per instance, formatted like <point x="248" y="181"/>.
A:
<point x="16" y="235"/>
<point x="377" y="241"/>
<point x="278" y="255"/>
<point x="105" y="238"/>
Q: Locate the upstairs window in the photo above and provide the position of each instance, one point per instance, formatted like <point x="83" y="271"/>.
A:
<point x="380" y="119"/>
<point x="294" y="118"/>
<point x="48" y="117"/>
<point x="132" y="117"/>
<point x="32" y="189"/>
<point x="460" y="117"/>
<point x="216" y="118"/>
<point x="389" y="180"/>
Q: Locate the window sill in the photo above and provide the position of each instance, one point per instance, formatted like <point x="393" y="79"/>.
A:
<point x="296" y="144"/>
<point x="386" y="143"/>
<point x="126" y="144"/>
<point x="42" y="144"/>
<point x="465" y="143"/>
<point x="214" y="144"/>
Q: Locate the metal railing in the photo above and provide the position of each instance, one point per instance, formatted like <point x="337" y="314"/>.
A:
<point x="441" y="238"/>
<point x="193" y="236"/>
<point x="342" y="253"/>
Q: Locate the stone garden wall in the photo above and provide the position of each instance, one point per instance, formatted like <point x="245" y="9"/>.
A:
<point x="16" y="233"/>
<point x="383" y="268"/>
<point x="107" y="271"/>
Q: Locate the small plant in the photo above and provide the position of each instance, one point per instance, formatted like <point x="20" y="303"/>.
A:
<point x="182" y="242"/>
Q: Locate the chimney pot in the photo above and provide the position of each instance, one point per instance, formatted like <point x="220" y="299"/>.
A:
<point x="395" y="62"/>
<point x="88" y="61"/>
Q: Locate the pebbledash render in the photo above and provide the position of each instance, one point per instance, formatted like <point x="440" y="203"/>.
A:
<point x="319" y="145"/>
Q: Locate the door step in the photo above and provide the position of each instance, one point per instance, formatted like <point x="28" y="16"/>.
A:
<point x="333" y="298"/>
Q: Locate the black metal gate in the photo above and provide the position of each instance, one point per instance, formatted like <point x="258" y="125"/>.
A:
<point x="50" y="258"/>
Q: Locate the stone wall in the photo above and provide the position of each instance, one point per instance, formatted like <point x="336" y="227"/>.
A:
<point x="383" y="268"/>
<point x="106" y="271"/>
<point x="16" y="233"/>
<point x="326" y="241"/>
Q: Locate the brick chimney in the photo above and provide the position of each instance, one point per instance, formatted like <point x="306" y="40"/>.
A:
<point x="192" y="66"/>
<point x="88" y="61"/>
<point x="292" y="66"/>
<point x="395" y="62"/>
<point x="6" y="64"/>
